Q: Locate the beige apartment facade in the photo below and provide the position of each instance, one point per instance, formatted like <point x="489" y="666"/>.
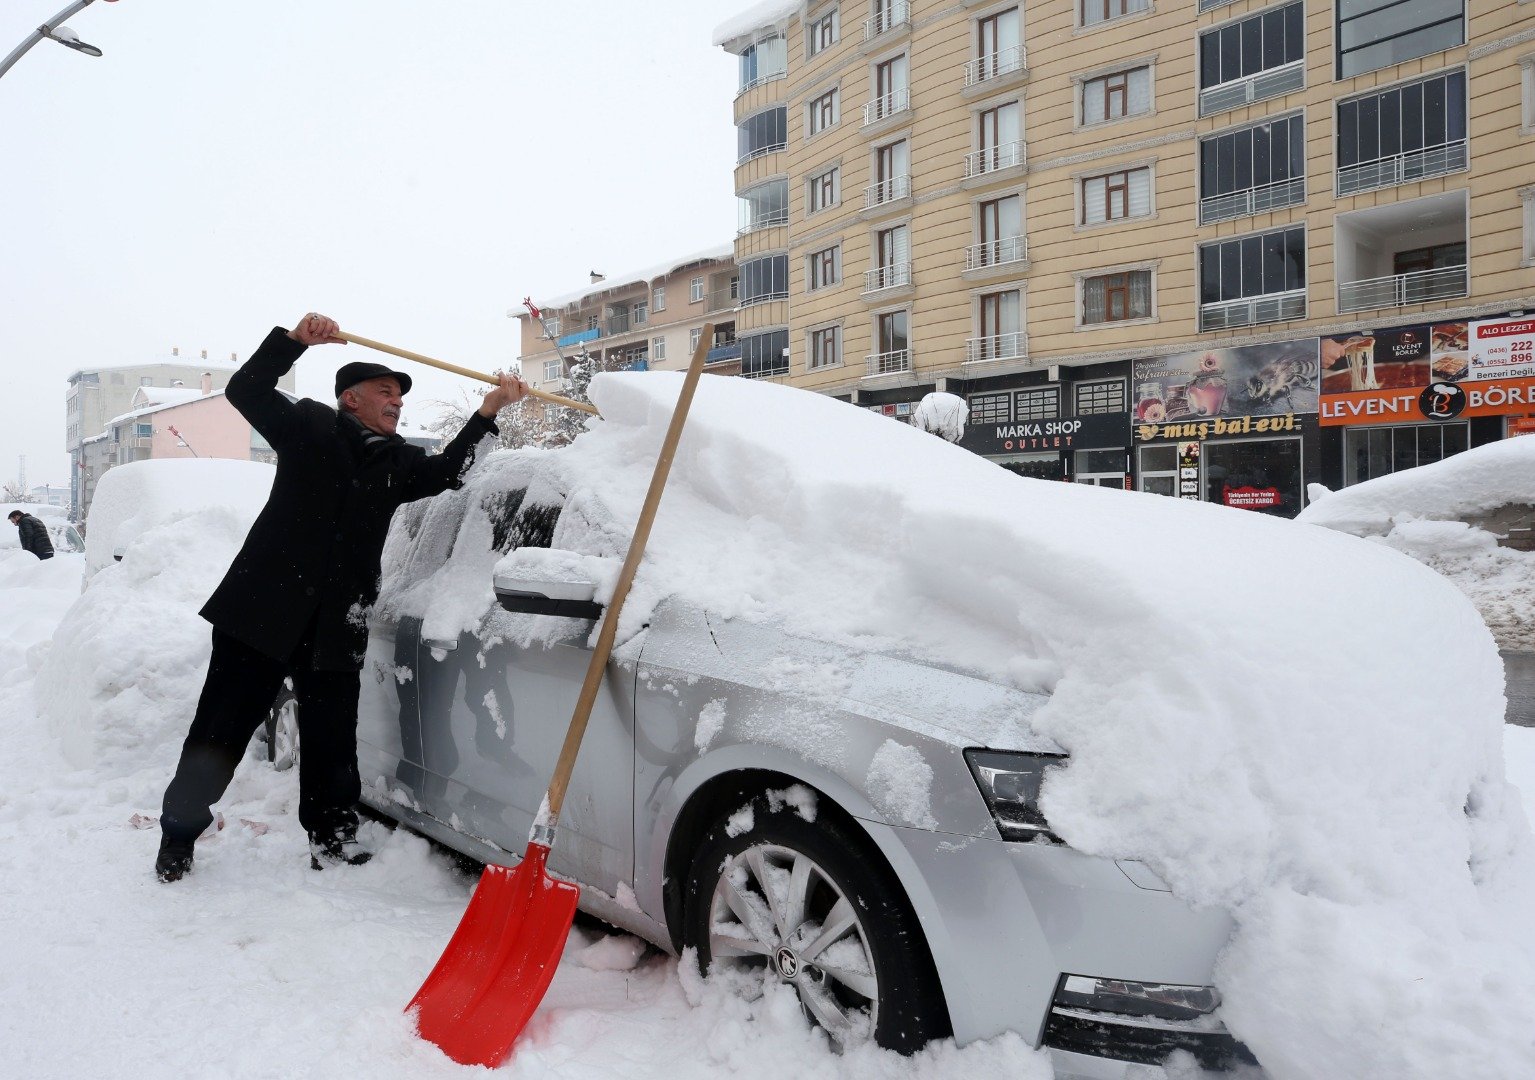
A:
<point x="1217" y="250"/>
<point x="650" y="319"/>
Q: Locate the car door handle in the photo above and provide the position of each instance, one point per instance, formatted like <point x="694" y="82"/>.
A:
<point x="445" y="646"/>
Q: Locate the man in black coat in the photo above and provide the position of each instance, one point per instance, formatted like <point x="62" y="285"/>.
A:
<point x="295" y="601"/>
<point x="33" y="534"/>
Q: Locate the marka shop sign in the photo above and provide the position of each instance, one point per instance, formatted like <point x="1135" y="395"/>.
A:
<point x="1215" y="428"/>
<point x="1096" y="431"/>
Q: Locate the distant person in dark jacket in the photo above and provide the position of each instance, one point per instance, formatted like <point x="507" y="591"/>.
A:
<point x="34" y="534"/>
<point x="296" y="600"/>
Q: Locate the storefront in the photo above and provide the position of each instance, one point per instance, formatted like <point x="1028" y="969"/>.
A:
<point x="1412" y="395"/>
<point x="1077" y="431"/>
<point x="1231" y="426"/>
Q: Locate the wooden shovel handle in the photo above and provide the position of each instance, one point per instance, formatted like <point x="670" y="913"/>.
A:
<point x="604" y="649"/>
<point x="358" y="339"/>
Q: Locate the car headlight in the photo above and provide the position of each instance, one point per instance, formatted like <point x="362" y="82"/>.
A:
<point x="1010" y="781"/>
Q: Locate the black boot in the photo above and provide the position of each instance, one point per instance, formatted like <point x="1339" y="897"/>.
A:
<point x="174" y="860"/>
<point x="336" y="849"/>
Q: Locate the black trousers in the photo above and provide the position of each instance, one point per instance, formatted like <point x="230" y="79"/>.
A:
<point x="236" y="698"/>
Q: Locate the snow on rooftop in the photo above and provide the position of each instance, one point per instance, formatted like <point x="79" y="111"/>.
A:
<point x="760" y="16"/>
<point x="635" y="277"/>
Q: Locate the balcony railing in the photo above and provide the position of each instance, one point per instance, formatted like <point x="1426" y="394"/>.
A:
<point x="887" y="191"/>
<point x="763" y="298"/>
<point x="1403" y="168"/>
<point x="890" y="363"/>
<point x="721" y="353"/>
<point x="893" y="276"/>
<point x="1010" y="249"/>
<point x="1206" y="5"/>
<point x="752" y="155"/>
<point x="618" y="324"/>
<point x="579" y="337"/>
<point x="720" y="300"/>
<point x="1010" y="346"/>
<point x="765" y="77"/>
<point x="1253" y="310"/>
<point x="1259" y="87"/>
<point x="993" y="158"/>
<point x="1398" y="290"/>
<point x="886" y="106"/>
<point x="765" y="221"/>
<point x="1256" y="200"/>
<point x="886" y="18"/>
<point x="995" y="65"/>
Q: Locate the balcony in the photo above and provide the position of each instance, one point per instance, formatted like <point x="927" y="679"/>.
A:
<point x="1403" y="168"/>
<point x="720" y="300"/>
<point x="1008" y="65"/>
<point x="761" y="80"/>
<point x="580" y="337"/>
<point x="993" y="253"/>
<point x="763" y="298"/>
<point x="1399" y="290"/>
<point x="1254" y="88"/>
<point x="1253" y="311"/>
<point x="882" y="278"/>
<point x="994" y="159"/>
<point x="765" y="221"/>
<point x="761" y="151"/>
<point x="720" y="353"/>
<point x="1256" y="200"/>
<point x="887" y="107"/>
<point x="889" y="363"/>
<point x="887" y="18"/>
<point x="886" y="192"/>
<point x="1010" y="346"/>
<point x="618" y="324"/>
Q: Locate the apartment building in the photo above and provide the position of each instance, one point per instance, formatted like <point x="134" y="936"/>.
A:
<point x="649" y="319"/>
<point x="96" y="396"/>
<point x="1216" y="249"/>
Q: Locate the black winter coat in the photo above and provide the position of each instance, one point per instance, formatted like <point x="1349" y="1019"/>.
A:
<point x="314" y="551"/>
<point x="34" y="536"/>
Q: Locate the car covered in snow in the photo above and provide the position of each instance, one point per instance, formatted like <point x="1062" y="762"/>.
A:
<point x="946" y="750"/>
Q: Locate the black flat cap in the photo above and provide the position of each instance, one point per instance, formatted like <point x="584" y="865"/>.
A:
<point x="361" y="371"/>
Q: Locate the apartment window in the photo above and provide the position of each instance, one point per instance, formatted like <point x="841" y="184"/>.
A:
<point x="658" y="298"/>
<point x="1001" y="327"/>
<point x="892" y="259"/>
<point x="999" y="45"/>
<point x="1116" y="96"/>
<point x="1252" y="169"/>
<point x="592" y="322"/>
<point x="1001" y="232"/>
<point x="1436" y="257"/>
<point x="146" y="380"/>
<point x="892" y="173"/>
<point x="764" y="279"/>
<point x="551" y="326"/>
<point x="1118" y="297"/>
<point x="143" y="431"/>
<point x="1408" y="132"/>
<point x="658" y="348"/>
<point x="765" y="355"/>
<point x="763" y="206"/>
<point x="1234" y="273"/>
<point x="822" y="191"/>
<point x="1098" y="11"/>
<point x="999" y="134"/>
<point x="1374" y="34"/>
<point x="823" y="268"/>
<point x="1095" y="398"/>
<point x="554" y="370"/>
<point x="822" y="32"/>
<point x="821" y="113"/>
<point x="991" y="408"/>
<point x="693" y="338"/>
<point x="1116" y="196"/>
<point x="892" y="92"/>
<point x="825" y="348"/>
<point x="767" y="59"/>
<point x="1041" y="404"/>
<point x="695" y="290"/>
<point x="641" y="312"/>
<point x="1252" y="59"/>
<point x="762" y="133"/>
<point x="892" y="341"/>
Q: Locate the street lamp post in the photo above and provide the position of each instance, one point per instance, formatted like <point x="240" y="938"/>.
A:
<point x="54" y="30"/>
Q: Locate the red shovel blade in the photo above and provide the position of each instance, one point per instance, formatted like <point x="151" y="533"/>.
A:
<point x="495" y="970"/>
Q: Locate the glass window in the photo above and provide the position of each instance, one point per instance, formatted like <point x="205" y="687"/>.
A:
<point x="822" y="191"/>
<point x="767" y="59"/>
<point x="1268" y="153"/>
<point x="1116" y="195"/>
<point x="763" y="206"/>
<point x="1402" y="120"/>
<point x="658" y="348"/>
<point x="764" y="279"/>
<point x="1374" y="34"/>
<point x="1116" y="297"/>
<point x="1257" y="265"/>
<point x="658" y="298"/>
<point x="765" y="354"/>
<point x="762" y="133"/>
<point x="823" y="268"/>
<point x="1112" y="97"/>
<point x="1375" y="451"/>
<point x="693" y="336"/>
<point x="821" y="113"/>
<point x="1261" y="42"/>
<point x="825" y="347"/>
<point x="822" y="32"/>
<point x="890" y="332"/>
<point x="1260" y="474"/>
<point x="1097" y="11"/>
<point x="695" y="290"/>
<point x="553" y="370"/>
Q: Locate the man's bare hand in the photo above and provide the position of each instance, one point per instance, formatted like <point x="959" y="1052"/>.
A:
<point x="315" y="329"/>
<point x="511" y="390"/>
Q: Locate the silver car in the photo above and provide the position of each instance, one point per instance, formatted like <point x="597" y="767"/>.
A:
<point x="823" y="815"/>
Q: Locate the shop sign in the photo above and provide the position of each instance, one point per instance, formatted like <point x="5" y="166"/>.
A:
<point x="1502" y="349"/>
<point x="1521" y="425"/>
<point x="1097" y="431"/>
<point x="1251" y="380"/>
<point x="1412" y="406"/>
<point x="1250" y="498"/>
<point x="1402" y="358"/>
<point x="1217" y="428"/>
<point x="1188" y="470"/>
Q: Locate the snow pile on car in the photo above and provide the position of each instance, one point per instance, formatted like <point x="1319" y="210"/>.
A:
<point x="1283" y="721"/>
<point x="1448" y="516"/>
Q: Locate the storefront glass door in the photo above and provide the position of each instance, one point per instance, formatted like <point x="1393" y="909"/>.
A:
<point x="1254" y="474"/>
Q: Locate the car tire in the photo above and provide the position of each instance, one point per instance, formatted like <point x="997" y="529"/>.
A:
<point x="872" y="977"/>
<point x="281" y="734"/>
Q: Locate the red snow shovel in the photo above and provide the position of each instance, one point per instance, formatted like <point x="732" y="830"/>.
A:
<point x="495" y="970"/>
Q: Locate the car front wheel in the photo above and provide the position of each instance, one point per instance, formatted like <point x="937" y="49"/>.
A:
<point x="811" y="905"/>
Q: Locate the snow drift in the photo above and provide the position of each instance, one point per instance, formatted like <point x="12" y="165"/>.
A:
<point x="1282" y="720"/>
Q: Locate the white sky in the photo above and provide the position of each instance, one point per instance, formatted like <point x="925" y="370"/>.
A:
<point x="412" y="169"/>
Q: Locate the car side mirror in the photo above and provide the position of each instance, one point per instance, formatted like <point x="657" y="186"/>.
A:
<point x="532" y="594"/>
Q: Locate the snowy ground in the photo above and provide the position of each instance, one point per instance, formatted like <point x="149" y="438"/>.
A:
<point x="255" y="966"/>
